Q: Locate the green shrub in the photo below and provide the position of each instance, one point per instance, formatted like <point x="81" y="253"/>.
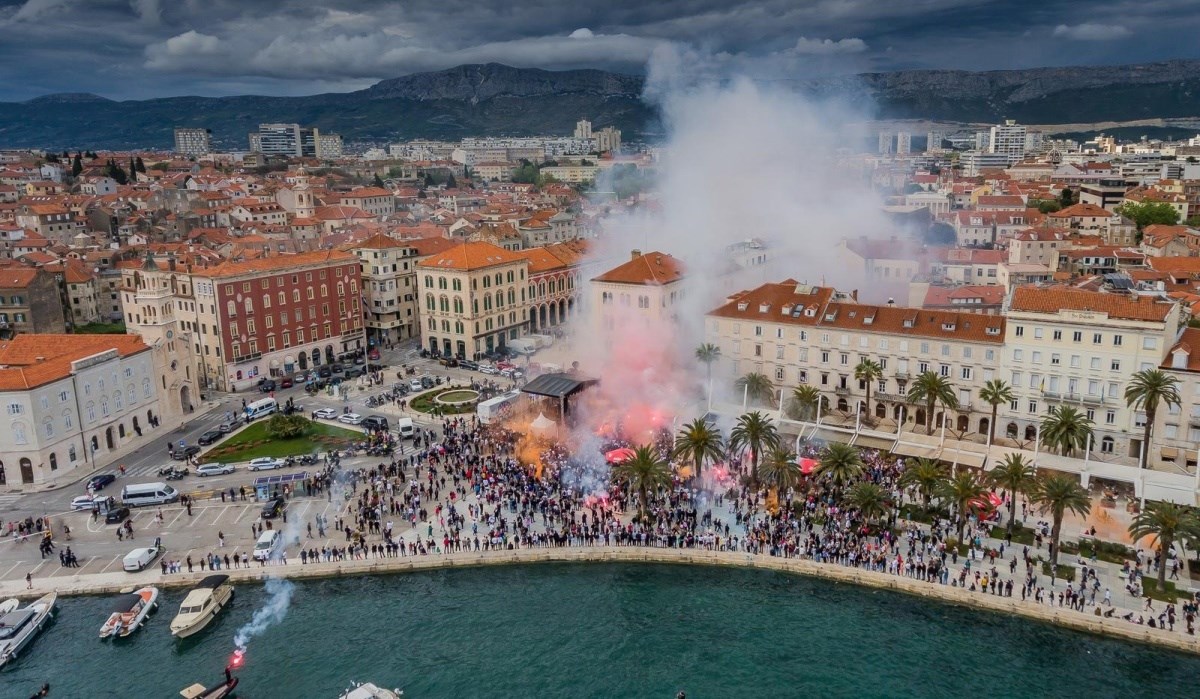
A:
<point x="282" y="426"/>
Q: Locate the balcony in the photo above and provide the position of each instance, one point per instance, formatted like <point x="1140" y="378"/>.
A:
<point x="244" y="358"/>
<point x="902" y="375"/>
<point x="841" y="391"/>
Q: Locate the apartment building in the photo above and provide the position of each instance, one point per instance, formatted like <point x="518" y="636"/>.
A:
<point x="53" y="221"/>
<point x="1072" y="347"/>
<point x="193" y="142"/>
<point x="554" y="283"/>
<point x="29" y="302"/>
<point x="376" y="201"/>
<point x="1177" y="428"/>
<point x="71" y="399"/>
<point x="799" y="334"/>
<point x="247" y="320"/>
<point x="389" y="277"/>
<point x="474" y="299"/>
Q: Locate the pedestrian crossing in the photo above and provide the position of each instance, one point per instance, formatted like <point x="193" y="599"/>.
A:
<point x="9" y="499"/>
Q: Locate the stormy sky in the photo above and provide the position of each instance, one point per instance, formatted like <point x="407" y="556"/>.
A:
<point x="127" y="49"/>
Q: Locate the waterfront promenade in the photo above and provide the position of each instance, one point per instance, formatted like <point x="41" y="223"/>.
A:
<point x="111" y="583"/>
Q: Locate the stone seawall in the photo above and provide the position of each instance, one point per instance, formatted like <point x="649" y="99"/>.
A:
<point x="113" y="583"/>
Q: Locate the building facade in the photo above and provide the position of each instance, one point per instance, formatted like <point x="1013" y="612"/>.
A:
<point x="72" y="400"/>
<point x="30" y="302"/>
<point x="474" y="299"/>
<point x="194" y="142"/>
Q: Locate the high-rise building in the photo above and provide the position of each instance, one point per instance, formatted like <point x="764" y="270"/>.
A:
<point x="192" y="141"/>
<point x="933" y="141"/>
<point x="277" y="139"/>
<point x="903" y="143"/>
<point x="885" y="142"/>
<point x="608" y="140"/>
<point x="583" y="129"/>
<point x="1008" y="138"/>
<point x="329" y="145"/>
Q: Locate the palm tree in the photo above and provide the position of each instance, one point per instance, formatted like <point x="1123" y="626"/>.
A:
<point x="1066" y="429"/>
<point x="757" y="386"/>
<point x="708" y="353"/>
<point x="806" y="398"/>
<point x="698" y="442"/>
<point x="839" y="463"/>
<point x="960" y="490"/>
<point x="930" y="388"/>
<point x="995" y="393"/>
<point x="753" y="432"/>
<point x="925" y="475"/>
<point x="779" y="471"/>
<point x="868" y="371"/>
<point x="1166" y="522"/>
<point x="1148" y="389"/>
<point x="645" y="473"/>
<point x="1060" y="493"/>
<point x="871" y="500"/>
<point x="1016" y="476"/>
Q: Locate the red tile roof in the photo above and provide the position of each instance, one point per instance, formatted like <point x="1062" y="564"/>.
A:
<point x="278" y="262"/>
<point x="27" y="361"/>
<point x="649" y="269"/>
<point x="1117" y="306"/>
<point x="468" y="256"/>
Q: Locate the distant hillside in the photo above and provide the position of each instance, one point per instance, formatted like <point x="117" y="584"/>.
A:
<point x="494" y="99"/>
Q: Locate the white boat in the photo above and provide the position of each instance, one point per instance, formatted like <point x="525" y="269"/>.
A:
<point x="129" y="612"/>
<point x="202" y="605"/>
<point x="9" y="604"/>
<point x="19" y="626"/>
<point x="367" y="690"/>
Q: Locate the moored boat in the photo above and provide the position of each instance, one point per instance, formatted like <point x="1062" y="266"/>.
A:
<point x="129" y="612"/>
<point x="368" y="690"/>
<point x="19" y="626"/>
<point x="199" y="691"/>
<point x="9" y="604"/>
<point x="202" y="605"/>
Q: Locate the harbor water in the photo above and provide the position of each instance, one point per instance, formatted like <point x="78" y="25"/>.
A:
<point x="596" y="630"/>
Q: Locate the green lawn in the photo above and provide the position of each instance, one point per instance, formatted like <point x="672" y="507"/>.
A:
<point x="425" y="404"/>
<point x="253" y="442"/>
<point x="1021" y="535"/>
<point x="1065" y="572"/>
<point x="100" y="329"/>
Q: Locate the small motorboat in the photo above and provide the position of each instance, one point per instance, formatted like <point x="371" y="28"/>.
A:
<point x="9" y="605"/>
<point x="202" y="605"/>
<point x="129" y="612"/>
<point x="19" y="626"/>
<point x="199" y="691"/>
<point x="367" y="690"/>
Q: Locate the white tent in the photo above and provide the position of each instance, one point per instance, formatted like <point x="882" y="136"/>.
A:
<point x="542" y="426"/>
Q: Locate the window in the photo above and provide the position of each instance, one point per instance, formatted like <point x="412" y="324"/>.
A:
<point x="922" y="367"/>
<point x="145" y="388"/>
<point x="824" y="357"/>
<point x="19" y="435"/>
<point x="1020" y="331"/>
<point x="924" y="348"/>
<point x="779" y="373"/>
<point x="779" y="351"/>
<point x="1032" y="407"/>
<point x="1075" y="361"/>
<point x="63" y="396"/>
<point x="1037" y="333"/>
<point x="67" y="421"/>
<point x="944" y="370"/>
<point x="1036" y="357"/>
<point x="966" y="373"/>
<point x="1094" y="365"/>
<point x="1018" y="355"/>
<point x="966" y="352"/>
<point x="1149" y="343"/>
<point x="757" y="350"/>
<point x="1097" y="338"/>
<point x="989" y="355"/>
<point x="945" y="350"/>
<point x="1055" y="359"/>
<point x="1077" y="336"/>
<point x="1110" y="417"/>
<point x="1107" y="445"/>
<point x="1115" y="365"/>
<point x="1057" y="334"/>
<point x="15" y="408"/>
<point x="1116" y="340"/>
<point x="844" y="359"/>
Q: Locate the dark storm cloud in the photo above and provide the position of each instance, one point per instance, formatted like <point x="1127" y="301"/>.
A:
<point x="138" y="48"/>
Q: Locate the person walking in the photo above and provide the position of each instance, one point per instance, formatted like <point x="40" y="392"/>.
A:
<point x="29" y="581"/>
<point x="221" y="539"/>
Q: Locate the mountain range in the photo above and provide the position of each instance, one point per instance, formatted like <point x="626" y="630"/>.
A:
<point x="494" y="99"/>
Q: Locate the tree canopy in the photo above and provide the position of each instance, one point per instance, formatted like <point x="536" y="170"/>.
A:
<point x="1149" y="213"/>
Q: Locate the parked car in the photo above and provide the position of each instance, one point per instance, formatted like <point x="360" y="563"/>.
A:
<point x="214" y="469"/>
<point x="350" y="418"/>
<point x="427" y="382"/>
<point x="98" y="482"/>
<point x="139" y="558"/>
<point x="337" y="368"/>
<point x="116" y="515"/>
<point x="448" y="362"/>
<point x="82" y="502"/>
<point x="267" y="386"/>
<point x="265" y="463"/>
<point x="360" y="359"/>
<point x="230" y="425"/>
<point x="324" y="372"/>
<point x="373" y="355"/>
<point x="468" y="364"/>
<point x="179" y="454"/>
<point x="416" y="385"/>
<point x="487" y="369"/>
<point x="210" y="437"/>
<point x="324" y="414"/>
<point x="274" y="507"/>
<point x="286" y="382"/>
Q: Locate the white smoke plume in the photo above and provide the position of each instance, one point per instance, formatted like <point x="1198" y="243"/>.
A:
<point x="279" y="599"/>
<point x="741" y="160"/>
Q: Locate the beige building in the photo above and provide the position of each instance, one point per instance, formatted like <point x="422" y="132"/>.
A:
<point x="1072" y="347"/>
<point x="390" y="291"/>
<point x="71" y="401"/>
<point x="798" y="334"/>
<point x="648" y="288"/>
<point x="474" y="299"/>
<point x="374" y="200"/>
<point x="571" y="174"/>
<point x="1177" y="428"/>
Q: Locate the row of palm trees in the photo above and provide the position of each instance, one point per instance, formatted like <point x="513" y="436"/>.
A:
<point x="699" y="444"/>
<point x="1064" y="429"/>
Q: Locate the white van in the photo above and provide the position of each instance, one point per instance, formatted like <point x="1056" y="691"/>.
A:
<point x="142" y="494"/>
<point x="405" y="426"/>
<point x="259" y="408"/>
<point x="138" y="559"/>
<point x="267" y="542"/>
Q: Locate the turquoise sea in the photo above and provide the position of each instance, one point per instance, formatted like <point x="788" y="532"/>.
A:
<point x="598" y="630"/>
